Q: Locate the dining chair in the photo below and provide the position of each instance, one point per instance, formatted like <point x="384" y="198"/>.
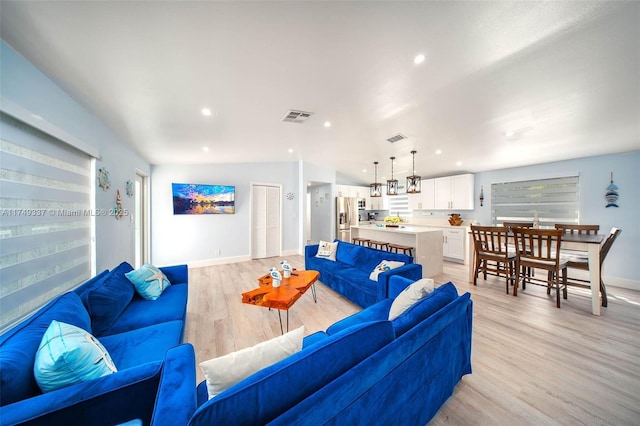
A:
<point x="517" y="224"/>
<point x="540" y="249"/>
<point x="581" y="262"/>
<point x="570" y="228"/>
<point x="492" y="255"/>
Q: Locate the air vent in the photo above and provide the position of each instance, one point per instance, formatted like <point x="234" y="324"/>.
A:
<point x="294" y="116"/>
<point x="396" y="138"/>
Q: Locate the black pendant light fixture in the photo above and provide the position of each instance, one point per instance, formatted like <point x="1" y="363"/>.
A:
<point x="392" y="184"/>
<point x="375" y="188"/>
<point x="413" y="181"/>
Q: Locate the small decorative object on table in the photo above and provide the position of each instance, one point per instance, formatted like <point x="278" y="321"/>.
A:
<point x="286" y="269"/>
<point x="276" y="277"/>
<point x="455" y="219"/>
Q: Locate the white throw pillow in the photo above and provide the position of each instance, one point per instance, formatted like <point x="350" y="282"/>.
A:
<point x="225" y="371"/>
<point x="385" y="265"/>
<point x="409" y="296"/>
<point x="327" y="250"/>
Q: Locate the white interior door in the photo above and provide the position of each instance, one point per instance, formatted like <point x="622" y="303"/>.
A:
<point x="265" y="221"/>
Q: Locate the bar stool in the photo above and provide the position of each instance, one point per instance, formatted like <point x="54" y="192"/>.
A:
<point x="380" y="245"/>
<point x="405" y="249"/>
<point x="361" y="241"/>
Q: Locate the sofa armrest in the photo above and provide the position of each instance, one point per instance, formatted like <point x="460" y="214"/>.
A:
<point x="176" y="397"/>
<point x="379" y="311"/>
<point x="310" y="250"/>
<point x="112" y="399"/>
<point x="176" y="274"/>
<point x="397" y="284"/>
<point x="412" y="271"/>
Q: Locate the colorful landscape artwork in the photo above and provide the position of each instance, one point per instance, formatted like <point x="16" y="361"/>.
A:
<point x="191" y="198"/>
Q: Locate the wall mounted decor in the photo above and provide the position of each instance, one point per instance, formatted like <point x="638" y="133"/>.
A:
<point x="612" y="194"/>
<point x="104" y="181"/>
<point x="203" y="199"/>
<point x="481" y="196"/>
<point x="129" y="188"/>
<point x="290" y="196"/>
<point x="118" y="211"/>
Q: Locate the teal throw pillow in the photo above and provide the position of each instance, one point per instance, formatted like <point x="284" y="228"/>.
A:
<point x="68" y="355"/>
<point x="149" y="281"/>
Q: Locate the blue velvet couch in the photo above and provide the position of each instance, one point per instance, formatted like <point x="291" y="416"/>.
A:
<point x="138" y="334"/>
<point x="363" y="370"/>
<point x="349" y="273"/>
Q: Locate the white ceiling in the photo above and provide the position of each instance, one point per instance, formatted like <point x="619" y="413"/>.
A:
<point x="563" y="75"/>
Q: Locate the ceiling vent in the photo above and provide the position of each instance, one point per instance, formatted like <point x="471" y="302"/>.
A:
<point x="396" y="138"/>
<point x="294" y="116"/>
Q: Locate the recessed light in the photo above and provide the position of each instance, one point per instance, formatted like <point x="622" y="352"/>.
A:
<point x="290" y="150"/>
<point x="438" y="151"/>
<point x="509" y="134"/>
<point x="418" y="59"/>
<point x="459" y="163"/>
<point x="364" y="170"/>
<point x="205" y="148"/>
<point x="206" y="112"/>
<point x="327" y="124"/>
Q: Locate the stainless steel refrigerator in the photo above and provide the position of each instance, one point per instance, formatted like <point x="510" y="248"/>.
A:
<point x="346" y="216"/>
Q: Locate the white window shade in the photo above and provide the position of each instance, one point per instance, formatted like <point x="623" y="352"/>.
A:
<point x="399" y="205"/>
<point x="553" y="200"/>
<point x="45" y="219"/>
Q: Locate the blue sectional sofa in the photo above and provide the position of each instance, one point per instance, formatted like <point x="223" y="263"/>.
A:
<point x="138" y="334"/>
<point x="349" y="273"/>
<point x="363" y="370"/>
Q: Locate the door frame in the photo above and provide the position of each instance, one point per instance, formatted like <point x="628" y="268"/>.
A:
<point x="252" y="185"/>
<point x="142" y="253"/>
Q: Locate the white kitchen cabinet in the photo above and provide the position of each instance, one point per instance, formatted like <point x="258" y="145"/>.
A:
<point x="454" y="192"/>
<point x="425" y="200"/>
<point x="379" y="203"/>
<point x="453" y="244"/>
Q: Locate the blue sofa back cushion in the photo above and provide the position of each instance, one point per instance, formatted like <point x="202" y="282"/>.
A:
<point x="263" y="396"/>
<point x="370" y="258"/>
<point x="425" y="307"/>
<point x="348" y="253"/>
<point x="108" y="298"/>
<point x="18" y="347"/>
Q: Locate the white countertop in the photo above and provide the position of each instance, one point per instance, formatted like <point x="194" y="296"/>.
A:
<point x="403" y="229"/>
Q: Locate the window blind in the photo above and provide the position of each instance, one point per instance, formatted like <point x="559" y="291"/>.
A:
<point x="399" y="205"/>
<point x="45" y="219"/>
<point x="553" y="200"/>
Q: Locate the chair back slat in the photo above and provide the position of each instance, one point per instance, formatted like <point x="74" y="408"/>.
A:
<point x="606" y="246"/>
<point x="517" y="224"/>
<point x="490" y="239"/>
<point x="538" y="247"/>
<point x="570" y="228"/>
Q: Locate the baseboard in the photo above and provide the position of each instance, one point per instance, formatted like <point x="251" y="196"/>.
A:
<point x="218" y="261"/>
<point x="293" y="252"/>
<point x="608" y="280"/>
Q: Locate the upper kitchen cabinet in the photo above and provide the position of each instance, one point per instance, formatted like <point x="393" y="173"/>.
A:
<point x="378" y="203"/>
<point x="454" y="192"/>
<point x="426" y="199"/>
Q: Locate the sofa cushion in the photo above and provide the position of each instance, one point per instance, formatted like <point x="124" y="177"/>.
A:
<point x="327" y="250"/>
<point x="370" y="258"/>
<point x="376" y="312"/>
<point x="269" y="391"/>
<point x="108" y="298"/>
<point x="436" y="300"/>
<point x="148" y="281"/>
<point x="349" y="253"/>
<point x="409" y="296"/>
<point x="19" y="345"/>
<point x="89" y="284"/>
<point x="171" y="306"/>
<point x="68" y="355"/>
<point x="227" y="370"/>
<point x="146" y="344"/>
<point x="384" y="266"/>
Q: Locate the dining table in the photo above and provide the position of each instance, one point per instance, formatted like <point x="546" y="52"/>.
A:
<point x="584" y="242"/>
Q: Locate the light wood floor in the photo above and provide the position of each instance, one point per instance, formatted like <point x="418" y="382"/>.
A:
<point x="533" y="364"/>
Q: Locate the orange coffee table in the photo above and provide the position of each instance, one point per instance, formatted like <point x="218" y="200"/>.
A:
<point x="282" y="298"/>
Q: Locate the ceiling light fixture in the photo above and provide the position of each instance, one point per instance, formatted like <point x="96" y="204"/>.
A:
<point x="290" y="150"/>
<point x="392" y="184"/>
<point x="509" y="134"/>
<point x="413" y="181"/>
<point x="327" y="124"/>
<point x="206" y="112"/>
<point x="459" y="163"/>
<point x="375" y="188"/>
<point x="418" y="59"/>
<point x="205" y="148"/>
<point x="438" y="151"/>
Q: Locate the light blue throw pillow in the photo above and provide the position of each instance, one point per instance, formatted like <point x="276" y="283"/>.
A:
<point x="149" y="281"/>
<point x="68" y="355"/>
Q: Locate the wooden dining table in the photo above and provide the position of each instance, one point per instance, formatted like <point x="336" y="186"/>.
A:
<point x="589" y="243"/>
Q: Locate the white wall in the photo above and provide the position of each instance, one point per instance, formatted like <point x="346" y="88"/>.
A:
<point x="195" y="238"/>
<point x="322" y="208"/>
<point x="26" y="86"/>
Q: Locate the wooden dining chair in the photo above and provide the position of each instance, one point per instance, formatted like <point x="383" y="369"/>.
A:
<point x="517" y="224"/>
<point x="540" y="249"/>
<point x="492" y="255"/>
<point x="570" y="228"/>
<point x="581" y="262"/>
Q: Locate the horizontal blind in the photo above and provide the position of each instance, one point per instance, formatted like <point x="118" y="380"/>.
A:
<point x="45" y="219"/>
<point x="399" y="205"/>
<point x="553" y="200"/>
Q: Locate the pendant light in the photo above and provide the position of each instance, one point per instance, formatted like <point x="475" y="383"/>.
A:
<point x="375" y="188"/>
<point x="413" y="181"/>
<point x="392" y="184"/>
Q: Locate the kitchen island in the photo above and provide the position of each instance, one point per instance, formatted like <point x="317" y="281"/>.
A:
<point x="426" y="243"/>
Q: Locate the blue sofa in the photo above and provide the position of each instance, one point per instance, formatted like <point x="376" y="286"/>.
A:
<point x="349" y="273"/>
<point x="137" y="333"/>
<point x="362" y="370"/>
